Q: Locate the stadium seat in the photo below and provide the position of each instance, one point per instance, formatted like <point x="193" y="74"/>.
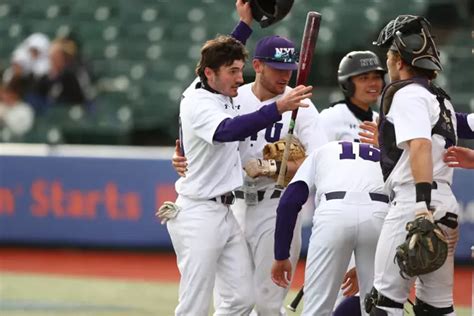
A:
<point x="90" y="10"/>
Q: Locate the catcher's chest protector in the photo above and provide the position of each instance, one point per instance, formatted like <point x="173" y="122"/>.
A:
<point x="389" y="151"/>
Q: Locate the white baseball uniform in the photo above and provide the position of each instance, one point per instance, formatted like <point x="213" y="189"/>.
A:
<point x="414" y="112"/>
<point x="258" y="221"/>
<point x="351" y="207"/>
<point x="340" y="123"/>
<point x="206" y="237"/>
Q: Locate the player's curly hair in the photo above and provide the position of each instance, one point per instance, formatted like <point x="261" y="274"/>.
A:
<point x="220" y="51"/>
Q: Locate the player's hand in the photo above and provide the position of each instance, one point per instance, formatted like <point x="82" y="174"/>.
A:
<point x="422" y="211"/>
<point x="459" y="157"/>
<point x="369" y="133"/>
<point x="350" y="284"/>
<point x="244" y="11"/>
<point x="452" y="237"/>
<point x="292" y="100"/>
<point x="281" y="272"/>
<point x="260" y="167"/>
<point x="180" y="163"/>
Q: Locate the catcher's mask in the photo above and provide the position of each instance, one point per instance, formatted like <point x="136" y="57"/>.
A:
<point x="268" y="12"/>
<point x="410" y="36"/>
<point x="356" y="63"/>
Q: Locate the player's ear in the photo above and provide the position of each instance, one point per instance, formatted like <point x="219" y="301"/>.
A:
<point x="209" y="73"/>
<point x="257" y="65"/>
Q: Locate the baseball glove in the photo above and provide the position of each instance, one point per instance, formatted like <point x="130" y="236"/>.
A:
<point x="167" y="211"/>
<point x="276" y="150"/>
<point x="425" y="248"/>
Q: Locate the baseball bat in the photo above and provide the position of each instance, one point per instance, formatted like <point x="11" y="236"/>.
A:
<point x="294" y="303"/>
<point x="308" y="45"/>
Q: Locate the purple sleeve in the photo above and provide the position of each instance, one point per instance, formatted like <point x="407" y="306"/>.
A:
<point x="287" y="212"/>
<point x="241" y="32"/>
<point x="242" y="126"/>
<point x="463" y="128"/>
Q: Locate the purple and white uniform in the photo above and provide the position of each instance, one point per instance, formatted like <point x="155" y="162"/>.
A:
<point x="414" y="113"/>
<point x="206" y="237"/>
<point x="351" y="207"/>
<point x="258" y="221"/>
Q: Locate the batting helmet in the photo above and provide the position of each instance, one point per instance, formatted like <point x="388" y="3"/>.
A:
<point x="268" y="12"/>
<point x="353" y="64"/>
<point x="410" y="36"/>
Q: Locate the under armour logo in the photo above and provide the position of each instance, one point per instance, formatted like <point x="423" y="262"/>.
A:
<point x="352" y="126"/>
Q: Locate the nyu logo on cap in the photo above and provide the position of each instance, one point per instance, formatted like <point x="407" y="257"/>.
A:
<point x="277" y="52"/>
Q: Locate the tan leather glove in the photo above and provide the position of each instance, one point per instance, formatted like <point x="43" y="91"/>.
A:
<point x="260" y="167"/>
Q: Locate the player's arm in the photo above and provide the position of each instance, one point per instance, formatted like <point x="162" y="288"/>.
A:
<point x="459" y="157"/>
<point x="421" y="163"/>
<point x="243" y="126"/>
<point x="292" y="166"/>
<point x="179" y="161"/>
<point x="242" y="30"/>
<point x="287" y="213"/>
<point x="413" y="124"/>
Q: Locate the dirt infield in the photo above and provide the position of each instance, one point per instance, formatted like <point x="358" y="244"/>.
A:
<point x="146" y="266"/>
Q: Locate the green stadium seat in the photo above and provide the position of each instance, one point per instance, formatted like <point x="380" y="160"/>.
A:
<point x="48" y="9"/>
<point x="110" y="69"/>
<point x="13" y="30"/>
<point x="53" y="28"/>
<point x="148" y="32"/>
<point x="9" y="9"/>
<point x="91" y="10"/>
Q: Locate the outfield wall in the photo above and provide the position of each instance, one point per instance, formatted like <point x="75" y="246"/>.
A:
<point x="97" y="196"/>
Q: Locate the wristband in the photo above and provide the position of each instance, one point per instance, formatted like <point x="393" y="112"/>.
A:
<point x="423" y="193"/>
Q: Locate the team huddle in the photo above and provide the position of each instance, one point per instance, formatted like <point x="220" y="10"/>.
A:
<point x="237" y="238"/>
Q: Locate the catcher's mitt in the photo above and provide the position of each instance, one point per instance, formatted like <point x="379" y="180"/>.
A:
<point x="424" y="250"/>
<point x="276" y="150"/>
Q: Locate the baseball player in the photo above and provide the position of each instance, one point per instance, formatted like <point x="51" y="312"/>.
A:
<point x="257" y="218"/>
<point x="417" y="123"/>
<point x="350" y="211"/>
<point x="360" y="77"/>
<point x="208" y="242"/>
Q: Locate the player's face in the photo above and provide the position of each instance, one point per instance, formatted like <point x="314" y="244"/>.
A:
<point x="368" y="87"/>
<point x="393" y="62"/>
<point x="274" y="80"/>
<point x="227" y="79"/>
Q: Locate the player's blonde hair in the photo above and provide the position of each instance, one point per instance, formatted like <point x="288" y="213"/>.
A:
<point x="220" y="51"/>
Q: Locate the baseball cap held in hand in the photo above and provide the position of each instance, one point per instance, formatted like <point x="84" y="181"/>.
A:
<point x="277" y="52"/>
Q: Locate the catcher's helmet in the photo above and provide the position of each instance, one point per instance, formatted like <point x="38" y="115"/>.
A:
<point x="268" y="12"/>
<point x="410" y="36"/>
<point x="353" y="64"/>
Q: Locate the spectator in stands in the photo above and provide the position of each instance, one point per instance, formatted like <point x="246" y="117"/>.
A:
<point x="29" y="60"/>
<point x="38" y="45"/>
<point x="67" y="81"/>
<point x="16" y="116"/>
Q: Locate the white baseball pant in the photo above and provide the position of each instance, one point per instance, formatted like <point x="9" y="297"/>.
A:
<point x="210" y="250"/>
